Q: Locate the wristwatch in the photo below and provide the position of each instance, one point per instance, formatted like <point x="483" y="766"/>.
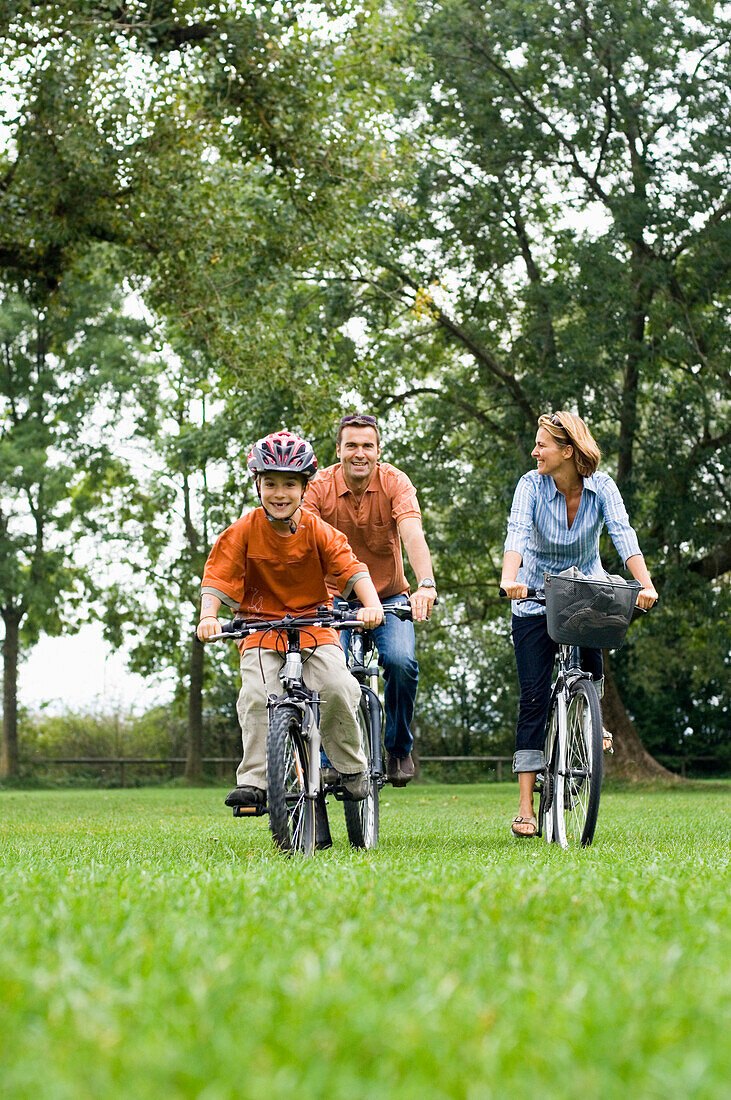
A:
<point x="427" y="582"/>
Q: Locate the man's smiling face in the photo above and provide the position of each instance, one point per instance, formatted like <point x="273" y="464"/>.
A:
<point x="358" y="453"/>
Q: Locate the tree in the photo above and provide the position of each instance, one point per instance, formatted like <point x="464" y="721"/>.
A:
<point x="65" y="367"/>
<point x="559" y="238"/>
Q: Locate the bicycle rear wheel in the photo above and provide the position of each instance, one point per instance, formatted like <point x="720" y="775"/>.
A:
<point x="578" y="783"/>
<point x="291" y="813"/>
<point x="361" y="818"/>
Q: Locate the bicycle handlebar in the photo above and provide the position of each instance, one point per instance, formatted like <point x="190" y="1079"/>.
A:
<point x="538" y="595"/>
<point x="336" y="618"/>
<point x="533" y="594"/>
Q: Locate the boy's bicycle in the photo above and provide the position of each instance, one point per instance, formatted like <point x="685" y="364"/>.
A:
<point x="580" y="613"/>
<point x="295" y="791"/>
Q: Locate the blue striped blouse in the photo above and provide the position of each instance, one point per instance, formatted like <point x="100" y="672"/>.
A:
<point x="539" y="531"/>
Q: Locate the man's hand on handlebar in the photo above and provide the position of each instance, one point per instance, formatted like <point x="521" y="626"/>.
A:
<point x="208" y="627"/>
<point x="422" y="601"/>
<point x="370" y="616"/>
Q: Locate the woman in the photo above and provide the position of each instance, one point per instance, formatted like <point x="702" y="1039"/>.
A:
<point x="558" y="512"/>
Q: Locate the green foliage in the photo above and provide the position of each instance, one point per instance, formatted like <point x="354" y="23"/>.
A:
<point x="151" y="944"/>
<point x="64" y="383"/>
<point x="556" y="236"/>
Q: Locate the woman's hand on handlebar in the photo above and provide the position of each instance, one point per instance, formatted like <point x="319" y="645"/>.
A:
<point x="647" y="597"/>
<point x="208" y="627"/>
<point x="514" y="590"/>
<point x="370" y="616"/>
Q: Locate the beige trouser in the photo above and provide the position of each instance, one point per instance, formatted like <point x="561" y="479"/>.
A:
<point x="324" y="671"/>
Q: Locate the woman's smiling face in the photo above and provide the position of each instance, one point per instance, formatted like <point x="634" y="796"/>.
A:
<point x="550" y="456"/>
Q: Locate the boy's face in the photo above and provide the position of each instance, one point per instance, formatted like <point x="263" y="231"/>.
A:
<point x="281" y="493"/>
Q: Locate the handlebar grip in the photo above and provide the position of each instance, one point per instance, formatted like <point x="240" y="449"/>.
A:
<point x="532" y="592"/>
<point x="403" y="613"/>
<point x="232" y="626"/>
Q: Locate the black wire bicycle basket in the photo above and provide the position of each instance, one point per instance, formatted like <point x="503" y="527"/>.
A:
<point x="589" y="612"/>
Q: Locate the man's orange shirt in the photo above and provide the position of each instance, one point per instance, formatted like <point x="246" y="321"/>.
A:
<point x="260" y="574"/>
<point x="372" y="526"/>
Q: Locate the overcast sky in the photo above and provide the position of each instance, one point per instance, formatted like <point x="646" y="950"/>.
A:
<point x="80" y="672"/>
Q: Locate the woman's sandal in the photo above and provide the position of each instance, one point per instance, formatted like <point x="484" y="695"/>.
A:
<point x="607" y="740"/>
<point x="530" y="821"/>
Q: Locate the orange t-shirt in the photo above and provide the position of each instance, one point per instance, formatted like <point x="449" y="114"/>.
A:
<point x="260" y="574"/>
<point x="372" y="526"/>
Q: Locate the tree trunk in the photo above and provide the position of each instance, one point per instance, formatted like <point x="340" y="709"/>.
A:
<point x="194" y="750"/>
<point x="631" y="760"/>
<point x="9" y="748"/>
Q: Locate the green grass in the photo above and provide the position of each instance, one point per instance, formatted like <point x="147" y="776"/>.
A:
<point x="153" y="946"/>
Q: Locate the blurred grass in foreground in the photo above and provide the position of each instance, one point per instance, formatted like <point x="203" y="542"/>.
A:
<point x="153" y="945"/>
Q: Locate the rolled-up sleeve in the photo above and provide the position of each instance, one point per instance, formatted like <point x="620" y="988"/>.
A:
<point x="615" y="516"/>
<point x="224" y="574"/>
<point x="520" y="521"/>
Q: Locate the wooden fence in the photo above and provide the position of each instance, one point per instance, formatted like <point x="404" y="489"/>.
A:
<point x="175" y="763"/>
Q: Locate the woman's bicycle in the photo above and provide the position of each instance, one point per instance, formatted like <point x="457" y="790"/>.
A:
<point x="295" y="791"/>
<point x="590" y="613"/>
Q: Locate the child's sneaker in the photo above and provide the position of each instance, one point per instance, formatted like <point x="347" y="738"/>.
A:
<point x="246" y="796"/>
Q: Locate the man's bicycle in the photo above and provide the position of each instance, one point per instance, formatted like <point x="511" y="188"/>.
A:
<point x="362" y="818"/>
<point x="580" y="612"/>
<point x="295" y="791"/>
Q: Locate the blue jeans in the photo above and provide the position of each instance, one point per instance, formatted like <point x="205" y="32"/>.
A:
<point x="396" y="643"/>
<point x="535" y="653"/>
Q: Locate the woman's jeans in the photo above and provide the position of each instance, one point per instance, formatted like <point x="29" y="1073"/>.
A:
<point x="535" y="653"/>
<point x="396" y="643"/>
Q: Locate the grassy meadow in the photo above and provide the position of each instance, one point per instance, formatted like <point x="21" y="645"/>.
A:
<point x="151" y="945"/>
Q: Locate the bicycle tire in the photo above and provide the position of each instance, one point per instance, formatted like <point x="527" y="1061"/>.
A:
<point x="362" y="818"/>
<point x="547" y="803"/>
<point x="291" y="813"/>
<point x="578" y="786"/>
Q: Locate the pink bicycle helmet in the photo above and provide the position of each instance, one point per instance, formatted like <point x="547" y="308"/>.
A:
<point x="283" y="452"/>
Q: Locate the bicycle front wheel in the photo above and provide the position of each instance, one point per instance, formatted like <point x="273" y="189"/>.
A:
<point x="579" y="776"/>
<point x="547" y="802"/>
<point x="291" y="813"/>
<point x="361" y="818"/>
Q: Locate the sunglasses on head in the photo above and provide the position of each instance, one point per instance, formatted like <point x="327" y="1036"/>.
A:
<point x="357" y="416"/>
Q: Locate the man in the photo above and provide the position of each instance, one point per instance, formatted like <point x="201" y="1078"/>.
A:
<point x="375" y="505"/>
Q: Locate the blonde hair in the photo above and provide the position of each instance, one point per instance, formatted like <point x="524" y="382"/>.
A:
<point x="569" y="430"/>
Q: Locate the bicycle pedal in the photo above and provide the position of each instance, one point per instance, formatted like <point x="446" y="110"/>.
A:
<point x="249" y="811"/>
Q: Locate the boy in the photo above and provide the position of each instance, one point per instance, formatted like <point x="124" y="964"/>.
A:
<point x="274" y="561"/>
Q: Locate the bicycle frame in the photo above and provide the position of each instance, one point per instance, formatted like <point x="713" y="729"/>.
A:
<point x="569" y="783"/>
<point x="291" y="675"/>
<point x="307" y="700"/>
<point x="368" y="676"/>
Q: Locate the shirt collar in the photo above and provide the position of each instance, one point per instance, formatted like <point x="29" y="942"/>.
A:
<point x="341" y="486"/>
<point x="550" y="491"/>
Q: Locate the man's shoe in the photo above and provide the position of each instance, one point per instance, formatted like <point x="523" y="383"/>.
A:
<point x="246" y="796"/>
<point x="330" y="775"/>
<point x="399" y="770"/>
<point x="356" y="787"/>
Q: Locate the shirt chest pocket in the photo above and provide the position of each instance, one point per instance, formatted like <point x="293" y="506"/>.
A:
<point x="380" y="538"/>
<point x="289" y="565"/>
